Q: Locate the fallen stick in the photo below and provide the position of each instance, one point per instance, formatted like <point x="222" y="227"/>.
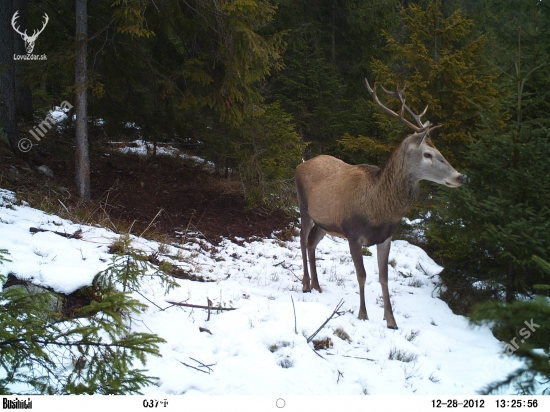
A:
<point x="295" y="327"/>
<point x="189" y="305"/>
<point x="209" y="306"/>
<point x="75" y="235"/>
<point x="347" y="356"/>
<point x="203" y="365"/>
<point x="334" y="312"/>
<point x="200" y="370"/>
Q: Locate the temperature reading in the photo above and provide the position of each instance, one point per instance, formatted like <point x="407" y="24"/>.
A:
<point x="154" y="403"/>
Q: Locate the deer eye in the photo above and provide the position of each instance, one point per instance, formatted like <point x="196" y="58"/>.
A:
<point x="428" y="155"/>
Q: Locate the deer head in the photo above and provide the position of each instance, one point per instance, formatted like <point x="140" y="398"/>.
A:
<point x="29" y="40"/>
<point x="425" y="162"/>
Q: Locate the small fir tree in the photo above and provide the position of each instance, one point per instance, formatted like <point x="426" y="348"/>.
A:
<point x="93" y="351"/>
<point x="529" y="321"/>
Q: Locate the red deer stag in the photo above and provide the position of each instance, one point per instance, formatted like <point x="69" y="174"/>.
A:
<point x="363" y="203"/>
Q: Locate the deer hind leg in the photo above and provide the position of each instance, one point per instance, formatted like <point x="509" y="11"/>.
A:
<point x="383" y="251"/>
<point x="357" y="256"/>
<point x="313" y="240"/>
<point x="307" y="224"/>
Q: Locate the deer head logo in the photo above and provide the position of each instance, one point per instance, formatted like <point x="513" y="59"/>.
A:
<point x="29" y="40"/>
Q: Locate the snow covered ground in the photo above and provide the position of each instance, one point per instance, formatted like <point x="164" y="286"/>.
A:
<point x="141" y="148"/>
<point x="254" y="349"/>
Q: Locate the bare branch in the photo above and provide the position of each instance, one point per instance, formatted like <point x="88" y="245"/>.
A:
<point x="189" y="305"/>
<point x="336" y="311"/>
<point x="295" y="328"/>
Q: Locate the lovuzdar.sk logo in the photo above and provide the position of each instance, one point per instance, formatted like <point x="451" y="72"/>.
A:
<point x="29" y="40"/>
<point x="16" y="403"/>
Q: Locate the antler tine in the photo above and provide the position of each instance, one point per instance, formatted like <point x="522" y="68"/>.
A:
<point x="37" y="32"/>
<point x="400" y="117"/>
<point x="13" y="20"/>
<point x="399" y="95"/>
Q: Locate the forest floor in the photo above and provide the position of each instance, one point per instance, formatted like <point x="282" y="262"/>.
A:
<point x="165" y="195"/>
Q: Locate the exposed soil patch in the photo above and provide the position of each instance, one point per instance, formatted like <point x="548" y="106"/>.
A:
<point x="163" y="195"/>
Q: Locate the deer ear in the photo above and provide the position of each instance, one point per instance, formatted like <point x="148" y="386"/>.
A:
<point x="423" y="134"/>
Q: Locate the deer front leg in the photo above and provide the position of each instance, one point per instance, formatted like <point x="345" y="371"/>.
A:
<point x="357" y="256"/>
<point x="383" y="251"/>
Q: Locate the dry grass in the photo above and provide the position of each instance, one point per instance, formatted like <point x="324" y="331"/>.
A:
<point x="412" y="335"/>
<point x="342" y="334"/>
<point x="402" y="355"/>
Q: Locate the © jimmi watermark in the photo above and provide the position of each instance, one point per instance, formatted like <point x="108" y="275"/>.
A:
<point x="40" y="131"/>
<point x="525" y="333"/>
<point x="29" y="40"/>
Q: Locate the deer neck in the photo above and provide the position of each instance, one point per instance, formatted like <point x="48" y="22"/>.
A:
<point x="397" y="187"/>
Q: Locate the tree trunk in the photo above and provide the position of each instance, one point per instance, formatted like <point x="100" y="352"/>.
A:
<point x="8" y="121"/>
<point x="333" y="45"/>
<point x="23" y="95"/>
<point x="81" y="88"/>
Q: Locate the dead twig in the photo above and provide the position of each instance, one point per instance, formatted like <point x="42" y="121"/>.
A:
<point x="354" y="357"/>
<point x="189" y="305"/>
<point x="203" y="365"/>
<point x="209" y="306"/>
<point x="295" y="327"/>
<point x="150" y="223"/>
<point x="189" y="366"/>
<point x="184" y="237"/>
<point x="201" y="329"/>
<point x="317" y="353"/>
<point x="287" y="267"/>
<point x="429" y="277"/>
<point x="290" y="270"/>
<point x="336" y="311"/>
<point x="64" y="207"/>
<point x="75" y="235"/>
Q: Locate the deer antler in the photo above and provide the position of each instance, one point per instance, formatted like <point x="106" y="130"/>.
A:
<point x="35" y="32"/>
<point x="399" y="95"/>
<point x="13" y="19"/>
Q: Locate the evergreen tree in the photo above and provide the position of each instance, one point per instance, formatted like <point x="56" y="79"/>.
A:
<point x="8" y="123"/>
<point x="489" y="229"/>
<point x="93" y="351"/>
<point x="330" y="46"/>
<point x="268" y="150"/>
<point x="529" y="340"/>
<point x="440" y="60"/>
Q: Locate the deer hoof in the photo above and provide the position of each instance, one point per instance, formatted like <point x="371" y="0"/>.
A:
<point x="394" y="327"/>
<point x="363" y="316"/>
